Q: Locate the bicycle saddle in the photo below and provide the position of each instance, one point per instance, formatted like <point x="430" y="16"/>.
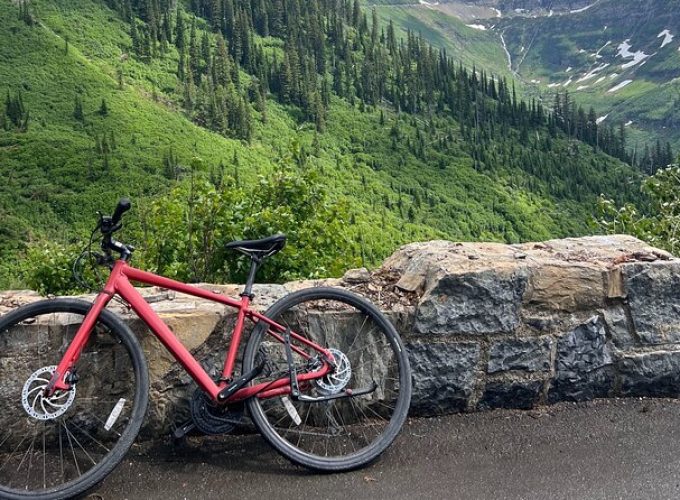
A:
<point x="265" y="247"/>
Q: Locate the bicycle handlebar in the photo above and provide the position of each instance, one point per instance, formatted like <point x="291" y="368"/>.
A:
<point x="109" y="225"/>
<point x="123" y="206"/>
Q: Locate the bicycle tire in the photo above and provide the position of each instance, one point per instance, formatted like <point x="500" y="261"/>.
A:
<point x="110" y="347"/>
<point x="297" y="308"/>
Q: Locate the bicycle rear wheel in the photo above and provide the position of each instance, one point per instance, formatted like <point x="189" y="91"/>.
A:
<point x="61" y="446"/>
<point x="337" y="434"/>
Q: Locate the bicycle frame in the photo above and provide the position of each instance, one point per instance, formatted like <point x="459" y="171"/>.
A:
<point x="119" y="284"/>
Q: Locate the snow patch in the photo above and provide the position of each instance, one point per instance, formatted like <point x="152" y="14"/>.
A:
<point x="550" y="14"/>
<point x="603" y="47"/>
<point x="536" y="81"/>
<point x="498" y="12"/>
<point x="613" y="75"/>
<point x="628" y="123"/>
<point x="601" y="119"/>
<point x="583" y="9"/>
<point x="667" y="37"/>
<point x="476" y="26"/>
<point x="553" y="85"/>
<point x="619" y="86"/>
<point x="592" y="73"/>
<point x="428" y="4"/>
<point x="568" y="69"/>
<point x="582" y="51"/>
<point x="600" y="80"/>
<point x="625" y="53"/>
<point x="565" y="84"/>
<point x="582" y="87"/>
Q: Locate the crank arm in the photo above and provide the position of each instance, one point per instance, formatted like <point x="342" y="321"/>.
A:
<point x="347" y="393"/>
<point x="183" y="430"/>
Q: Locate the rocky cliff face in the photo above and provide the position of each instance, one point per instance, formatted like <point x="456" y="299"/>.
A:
<point x="526" y="5"/>
<point x="486" y="325"/>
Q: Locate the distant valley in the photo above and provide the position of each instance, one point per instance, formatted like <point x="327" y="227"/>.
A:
<point x="620" y="57"/>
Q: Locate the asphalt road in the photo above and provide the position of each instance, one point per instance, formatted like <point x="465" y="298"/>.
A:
<point x="604" y="449"/>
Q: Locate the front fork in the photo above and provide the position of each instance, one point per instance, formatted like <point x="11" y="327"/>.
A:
<point x="63" y="377"/>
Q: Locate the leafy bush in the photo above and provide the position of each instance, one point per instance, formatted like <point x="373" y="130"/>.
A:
<point x="660" y="226"/>
<point x="185" y="232"/>
<point x="47" y="268"/>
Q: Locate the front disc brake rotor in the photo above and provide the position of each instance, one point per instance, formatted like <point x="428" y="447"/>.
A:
<point x="33" y="396"/>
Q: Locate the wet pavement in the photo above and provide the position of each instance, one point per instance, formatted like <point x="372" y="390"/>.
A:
<point x="598" y="450"/>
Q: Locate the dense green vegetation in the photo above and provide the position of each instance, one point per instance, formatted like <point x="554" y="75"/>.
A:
<point x="191" y="109"/>
<point x="660" y="224"/>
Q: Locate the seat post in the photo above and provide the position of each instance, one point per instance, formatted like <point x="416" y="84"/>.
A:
<point x="254" y="264"/>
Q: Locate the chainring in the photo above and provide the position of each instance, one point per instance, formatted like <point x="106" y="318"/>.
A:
<point x="212" y="419"/>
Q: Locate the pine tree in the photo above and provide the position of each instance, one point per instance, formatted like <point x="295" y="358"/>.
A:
<point x="78" y="109"/>
<point x="134" y="35"/>
<point x="194" y="58"/>
<point x="180" y="29"/>
<point x="167" y="28"/>
<point x="182" y="65"/>
<point x="205" y="53"/>
<point x="221" y="63"/>
<point x="103" y="108"/>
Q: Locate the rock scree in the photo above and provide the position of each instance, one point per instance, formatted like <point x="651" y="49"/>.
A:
<point x="486" y="325"/>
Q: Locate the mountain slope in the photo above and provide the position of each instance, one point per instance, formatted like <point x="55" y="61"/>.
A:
<point x="624" y="59"/>
<point x="621" y="57"/>
<point x="406" y="175"/>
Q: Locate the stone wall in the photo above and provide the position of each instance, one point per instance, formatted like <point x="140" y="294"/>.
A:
<point x="486" y="325"/>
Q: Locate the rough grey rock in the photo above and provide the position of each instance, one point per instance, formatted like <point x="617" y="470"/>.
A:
<point x="650" y="374"/>
<point x="653" y="291"/>
<point x="443" y="376"/>
<point x="512" y="394"/>
<point x="354" y="276"/>
<point x="583" y="364"/>
<point x="484" y="302"/>
<point x="617" y="323"/>
<point x="531" y="355"/>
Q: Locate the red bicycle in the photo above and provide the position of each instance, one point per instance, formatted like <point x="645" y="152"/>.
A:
<point x="325" y="377"/>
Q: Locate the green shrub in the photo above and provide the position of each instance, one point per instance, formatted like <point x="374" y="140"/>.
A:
<point x="659" y="225"/>
<point x="47" y="268"/>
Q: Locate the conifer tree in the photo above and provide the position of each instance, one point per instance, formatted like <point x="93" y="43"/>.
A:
<point x="180" y="29"/>
<point x="194" y="58"/>
<point x="78" y="113"/>
<point x="221" y="63"/>
<point x="103" y="108"/>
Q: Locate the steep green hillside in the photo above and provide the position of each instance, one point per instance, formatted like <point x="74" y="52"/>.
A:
<point x="470" y="45"/>
<point x="619" y="56"/>
<point x="101" y="103"/>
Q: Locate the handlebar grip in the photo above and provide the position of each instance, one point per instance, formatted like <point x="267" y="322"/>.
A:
<point x="124" y="204"/>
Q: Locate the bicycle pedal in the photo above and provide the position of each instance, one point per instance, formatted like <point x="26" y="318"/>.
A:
<point x="181" y="432"/>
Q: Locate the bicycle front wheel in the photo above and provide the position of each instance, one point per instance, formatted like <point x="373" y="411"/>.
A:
<point x="334" y="434"/>
<point x="61" y="446"/>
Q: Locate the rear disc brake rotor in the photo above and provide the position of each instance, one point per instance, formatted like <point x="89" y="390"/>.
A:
<point x="338" y="379"/>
